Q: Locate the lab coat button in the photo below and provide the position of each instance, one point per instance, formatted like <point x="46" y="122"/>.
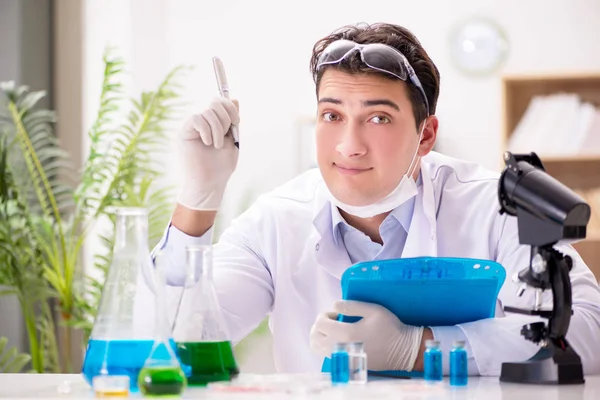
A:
<point x="317" y="247"/>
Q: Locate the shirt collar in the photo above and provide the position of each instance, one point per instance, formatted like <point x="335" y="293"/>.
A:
<point x="402" y="214"/>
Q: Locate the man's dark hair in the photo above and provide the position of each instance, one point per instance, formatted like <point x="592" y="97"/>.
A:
<point x="395" y="36"/>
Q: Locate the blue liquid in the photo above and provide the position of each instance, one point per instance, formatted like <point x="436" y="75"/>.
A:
<point x="459" y="372"/>
<point x="433" y="365"/>
<point x="120" y="357"/>
<point x="340" y="367"/>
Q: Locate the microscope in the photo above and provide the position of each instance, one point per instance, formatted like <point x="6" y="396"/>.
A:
<point x="547" y="212"/>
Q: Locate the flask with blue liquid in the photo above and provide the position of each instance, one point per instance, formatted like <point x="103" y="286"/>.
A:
<point x="122" y="338"/>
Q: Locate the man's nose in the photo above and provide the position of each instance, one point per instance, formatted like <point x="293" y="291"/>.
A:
<point x="351" y="142"/>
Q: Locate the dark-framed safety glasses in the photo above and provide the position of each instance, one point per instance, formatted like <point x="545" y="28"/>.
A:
<point x="378" y="56"/>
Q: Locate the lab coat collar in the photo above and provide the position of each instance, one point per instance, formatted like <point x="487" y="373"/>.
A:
<point x="421" y="240"/>
<point x="334" y="259"/>
<point x="422" y="236"/>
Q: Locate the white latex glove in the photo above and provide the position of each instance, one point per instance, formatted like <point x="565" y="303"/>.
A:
<point x="207" y="157"/>
<point x="390" y="345"/>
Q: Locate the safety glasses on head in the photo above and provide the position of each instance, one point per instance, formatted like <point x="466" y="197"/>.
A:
<point x="378" y="56"/>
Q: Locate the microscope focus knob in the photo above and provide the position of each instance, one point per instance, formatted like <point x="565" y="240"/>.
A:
<point x="569" y="262"/>
<point x="534" y="332"/>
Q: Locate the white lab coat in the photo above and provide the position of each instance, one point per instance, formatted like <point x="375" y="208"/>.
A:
<point x="272" y="260"/>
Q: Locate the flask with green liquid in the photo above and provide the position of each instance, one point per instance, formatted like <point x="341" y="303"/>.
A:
<point x="162" y="375"/>
<point x="201" y="336"/>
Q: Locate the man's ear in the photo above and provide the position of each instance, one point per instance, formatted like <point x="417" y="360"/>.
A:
<point x="429" y="135"/>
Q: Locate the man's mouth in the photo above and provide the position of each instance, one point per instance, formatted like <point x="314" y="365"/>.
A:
<point x="349" y="169"/>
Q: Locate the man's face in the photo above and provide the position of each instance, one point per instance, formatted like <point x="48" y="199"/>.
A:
<point x="366" y="135"/>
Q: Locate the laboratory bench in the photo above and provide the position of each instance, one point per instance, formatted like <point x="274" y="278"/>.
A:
<point x="73" y="386"/>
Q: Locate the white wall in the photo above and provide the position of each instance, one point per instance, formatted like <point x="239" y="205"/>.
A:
<point x="266" y="46"/>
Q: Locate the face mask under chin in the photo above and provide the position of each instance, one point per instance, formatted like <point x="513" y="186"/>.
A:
<point x="404" y="191"/>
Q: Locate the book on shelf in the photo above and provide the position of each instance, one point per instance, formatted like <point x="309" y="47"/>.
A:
<point x="558" y="125"/>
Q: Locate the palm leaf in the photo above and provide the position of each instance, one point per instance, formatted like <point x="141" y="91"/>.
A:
<point x="44" y="161"/>
<point x="21" y="262"/>
<point x="127" y="149"/>
<point x="45" y="164"/>
<point x="11" y="361"/>
<point x="134" y="142"/>
<point x="89" y="190"/>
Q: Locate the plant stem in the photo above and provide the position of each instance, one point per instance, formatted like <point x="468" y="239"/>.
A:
<point x="37" y="361"/>
<point x="48" y="339"/>
<point x="66" y="339"/>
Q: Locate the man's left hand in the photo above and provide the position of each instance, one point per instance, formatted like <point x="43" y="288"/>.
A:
<point x="390" y="345"/>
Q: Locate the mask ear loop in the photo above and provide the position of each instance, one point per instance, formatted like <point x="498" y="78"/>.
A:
<point x="412" y="168"/>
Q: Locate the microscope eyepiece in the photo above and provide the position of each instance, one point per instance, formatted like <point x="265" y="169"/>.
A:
<point x="548" y="210"/>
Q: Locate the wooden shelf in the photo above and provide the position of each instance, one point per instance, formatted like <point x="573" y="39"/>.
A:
<point x="589" y="250"/>
<point x="580" y="173"/>
<point x="519" y="90"/>
<point x="593" y="237"/>
<point x="572" y="159"/>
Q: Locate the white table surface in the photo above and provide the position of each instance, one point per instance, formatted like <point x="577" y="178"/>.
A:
<point x="53" y="386"/>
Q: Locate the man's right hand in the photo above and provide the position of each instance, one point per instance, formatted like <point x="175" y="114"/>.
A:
<point x="207" y="156"/>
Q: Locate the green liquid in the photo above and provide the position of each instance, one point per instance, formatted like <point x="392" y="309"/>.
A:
<point x="161" y="381"/>
<point x="209" y="361"/>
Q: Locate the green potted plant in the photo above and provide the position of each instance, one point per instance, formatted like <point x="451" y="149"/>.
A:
<point x="11" y="361"/>
<point x="54" y="218"/>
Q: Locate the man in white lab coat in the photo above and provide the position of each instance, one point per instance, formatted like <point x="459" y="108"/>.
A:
<point x="380" y="192"/>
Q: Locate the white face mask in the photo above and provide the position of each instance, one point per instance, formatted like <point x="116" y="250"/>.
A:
<point x="406" y="189"/>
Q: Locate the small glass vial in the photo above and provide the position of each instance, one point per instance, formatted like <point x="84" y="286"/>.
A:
<point x="459" y="372"/>
<point x="340" y="364"/>
<point x="111" y="386"/>
<point x="432" y="361"/>
<point x="358" y="362"/>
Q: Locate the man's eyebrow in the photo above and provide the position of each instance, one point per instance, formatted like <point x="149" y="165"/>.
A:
<point x="380" y="102"/>
<point x="365" y="103"/>
<point x="330" y="100"/>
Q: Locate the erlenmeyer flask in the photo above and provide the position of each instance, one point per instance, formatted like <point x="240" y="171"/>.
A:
<point x="162" y="374"/>
<point x="122" y="336"/>
<point x="203" y="343"/>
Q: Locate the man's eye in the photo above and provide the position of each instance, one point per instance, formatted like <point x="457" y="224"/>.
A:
<point x="380" y="119"/>
<point x="330" y="117"/>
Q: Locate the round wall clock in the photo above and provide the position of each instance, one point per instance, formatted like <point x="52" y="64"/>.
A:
<point x="478" y="46"/>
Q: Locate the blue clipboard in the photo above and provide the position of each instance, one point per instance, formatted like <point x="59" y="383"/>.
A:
<point x="425" y="291"/>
